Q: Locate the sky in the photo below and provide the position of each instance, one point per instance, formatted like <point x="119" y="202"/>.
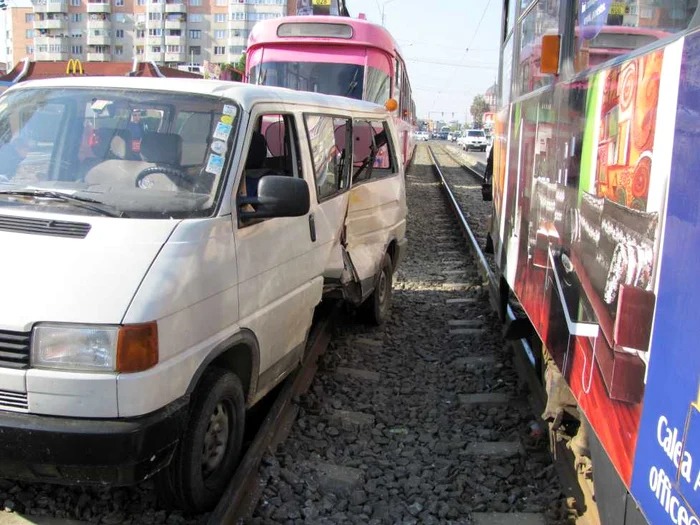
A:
<point x="450" y="48"/>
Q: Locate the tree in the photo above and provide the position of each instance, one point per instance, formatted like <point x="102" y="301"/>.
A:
<point x="479" y="107"/>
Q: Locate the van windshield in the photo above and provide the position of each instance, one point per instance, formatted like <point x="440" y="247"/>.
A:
<point x="476" y="134"/>
<point x="127" y="153"/>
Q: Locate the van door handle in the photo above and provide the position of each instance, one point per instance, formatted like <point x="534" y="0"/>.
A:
<point x="312" y="227"/>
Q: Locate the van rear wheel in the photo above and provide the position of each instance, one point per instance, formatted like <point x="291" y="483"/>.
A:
<point x="210" y="447"/>
<point x="375" y="310"/>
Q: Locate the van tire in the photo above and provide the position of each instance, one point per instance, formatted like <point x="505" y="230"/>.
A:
<point x="376" y="309"/>
<point x="219" y="401"/>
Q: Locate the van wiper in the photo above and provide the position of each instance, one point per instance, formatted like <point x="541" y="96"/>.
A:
<point x="79" y="202"/>
<point x="353" y="83"/>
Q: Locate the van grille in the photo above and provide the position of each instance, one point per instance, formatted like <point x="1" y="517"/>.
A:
<point x="13" y="401"/>
<point x="44" y="227"/>
<point x="14" y="349"/>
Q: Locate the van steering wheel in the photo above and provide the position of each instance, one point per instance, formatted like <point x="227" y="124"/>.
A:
<point x="180" y="178"/>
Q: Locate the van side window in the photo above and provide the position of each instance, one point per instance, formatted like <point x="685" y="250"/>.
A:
<point x="329" y="138"/>
<point x="373" y="152"/>
<point x="273" y="150"/>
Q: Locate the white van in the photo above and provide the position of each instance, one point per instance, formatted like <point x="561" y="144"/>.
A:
<point x="165" y="243"/>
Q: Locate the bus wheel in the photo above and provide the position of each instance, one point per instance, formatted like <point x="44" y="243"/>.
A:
<point x="210" y="448"/>
<point x="375" y="310"/>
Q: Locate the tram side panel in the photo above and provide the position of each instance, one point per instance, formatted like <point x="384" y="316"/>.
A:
<point x="585" y="238"/>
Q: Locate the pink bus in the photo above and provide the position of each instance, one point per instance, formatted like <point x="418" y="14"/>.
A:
<point x="336" y="56"/>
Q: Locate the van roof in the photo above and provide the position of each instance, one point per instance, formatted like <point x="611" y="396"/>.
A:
<point x="244" y="94"/>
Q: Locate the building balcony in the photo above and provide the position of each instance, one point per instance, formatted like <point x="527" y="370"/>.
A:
<point x="101" y="40"/>
<point x="51" y="41"/>
<point x="99" y="57"/>
<point x="98" y="7"/>
<point x="50" y="56"/>
<point x="175" y="57"/>
<point x="99" y="24"/>
<point x="176" y="7"/>
<point x="50" y="24"/>
<point x="175" y="24"/>
<point x="51" y="7"/>
<point x="154" y="40"/>
<point x="175" y="40"/>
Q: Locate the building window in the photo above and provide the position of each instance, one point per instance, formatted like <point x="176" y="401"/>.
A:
<point x="219" y="50"/>
<point x="236" y="50"/>
<point x="120" y="18"/>
<point x="173" y="32"/>
<point x="195" y="34"/>
<point x="139" y="50"/>
<point x="118" y="50"/>
<point x="29" y="17"/>
<point x="140" y="33"/>
<point x="118" y="3"/>
<point x="219" y="33"/>
<point x="155" y="16"/>
<point x="119" y="33"/>
<point x="220" y="17"/>
<point x="75" y="3"/>
<point x="174" y="49"/>
<point x="155" y="49"/>
<point x="155" y="32"/>
<point x="76" y="17"/>
<point x="196" y="18"/>
<point x="141" y="2"/>
<point x="195" y="50"/>
<point x="76" y="50"/>
<point x="29" y="33"/>
<point x="195" y="3"/>
<point x="29" y="50"/>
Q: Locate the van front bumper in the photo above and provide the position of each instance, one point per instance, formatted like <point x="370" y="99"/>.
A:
<point x="90" y="451"/>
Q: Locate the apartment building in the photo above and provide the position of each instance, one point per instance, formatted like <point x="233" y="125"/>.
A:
<point x="167" y="32"/>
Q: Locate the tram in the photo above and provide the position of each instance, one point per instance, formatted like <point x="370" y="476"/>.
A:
<point x="595" y="228"/>
<point x="336" y="56"/>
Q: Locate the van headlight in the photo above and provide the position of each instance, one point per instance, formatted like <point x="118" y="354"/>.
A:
<point x="95" y="348"/>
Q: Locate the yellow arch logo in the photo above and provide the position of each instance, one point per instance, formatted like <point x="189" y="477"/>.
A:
<point x="76" y="66"/>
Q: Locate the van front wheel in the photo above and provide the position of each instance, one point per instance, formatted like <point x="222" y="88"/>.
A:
<point x="375" y="309"/>
<point x="210" y="448"/>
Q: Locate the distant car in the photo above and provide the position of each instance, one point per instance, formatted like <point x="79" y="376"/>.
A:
<point x="473" y="139"/>
<point x="422" y="136"/>
<point x="454" y="136"/>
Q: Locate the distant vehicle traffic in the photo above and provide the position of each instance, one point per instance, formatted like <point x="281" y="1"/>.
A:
<point x="454" y="136"/>
<point x="421" y="136"/>
<point x="473" y="139"/>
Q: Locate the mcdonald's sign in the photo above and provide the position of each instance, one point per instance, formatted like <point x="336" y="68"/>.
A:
<point x="76" y="66"/>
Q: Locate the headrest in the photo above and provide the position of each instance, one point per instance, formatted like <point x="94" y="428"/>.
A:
<point x="120" y="146"/>
<point x="257" y="152"/>
<point x="162" y="148"/>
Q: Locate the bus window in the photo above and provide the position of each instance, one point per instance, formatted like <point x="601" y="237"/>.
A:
<point x="541" y="20"/>
<point x="625" y="27"/>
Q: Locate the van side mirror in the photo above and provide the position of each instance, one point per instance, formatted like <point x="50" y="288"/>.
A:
<point x="278" y="196"/>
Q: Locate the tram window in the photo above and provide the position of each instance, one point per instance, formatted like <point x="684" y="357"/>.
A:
<point x="378" y="85"/>
<point x="397" y="81"/>
<point x="507" y="75"/>
<point x="329" y="137"/>
<point x="543" y="19"/>
<point x="626" y="27"/>
<point x="510" y="20"/>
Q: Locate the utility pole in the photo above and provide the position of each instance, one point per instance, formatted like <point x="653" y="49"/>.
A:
<point x="383" y="8"/>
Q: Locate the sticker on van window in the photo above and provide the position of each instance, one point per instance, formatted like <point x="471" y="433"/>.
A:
<point x="227" y="119"/>
<point x="229" y="110"/>
<point x="215" y="164"/>
<point x="222" y="131"/>
<point x="218" y="147"/>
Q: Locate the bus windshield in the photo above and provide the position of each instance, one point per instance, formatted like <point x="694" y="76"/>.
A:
<point x="345" y="80"/>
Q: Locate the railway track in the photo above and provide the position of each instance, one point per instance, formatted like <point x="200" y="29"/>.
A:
<point x="423" y="420"/>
